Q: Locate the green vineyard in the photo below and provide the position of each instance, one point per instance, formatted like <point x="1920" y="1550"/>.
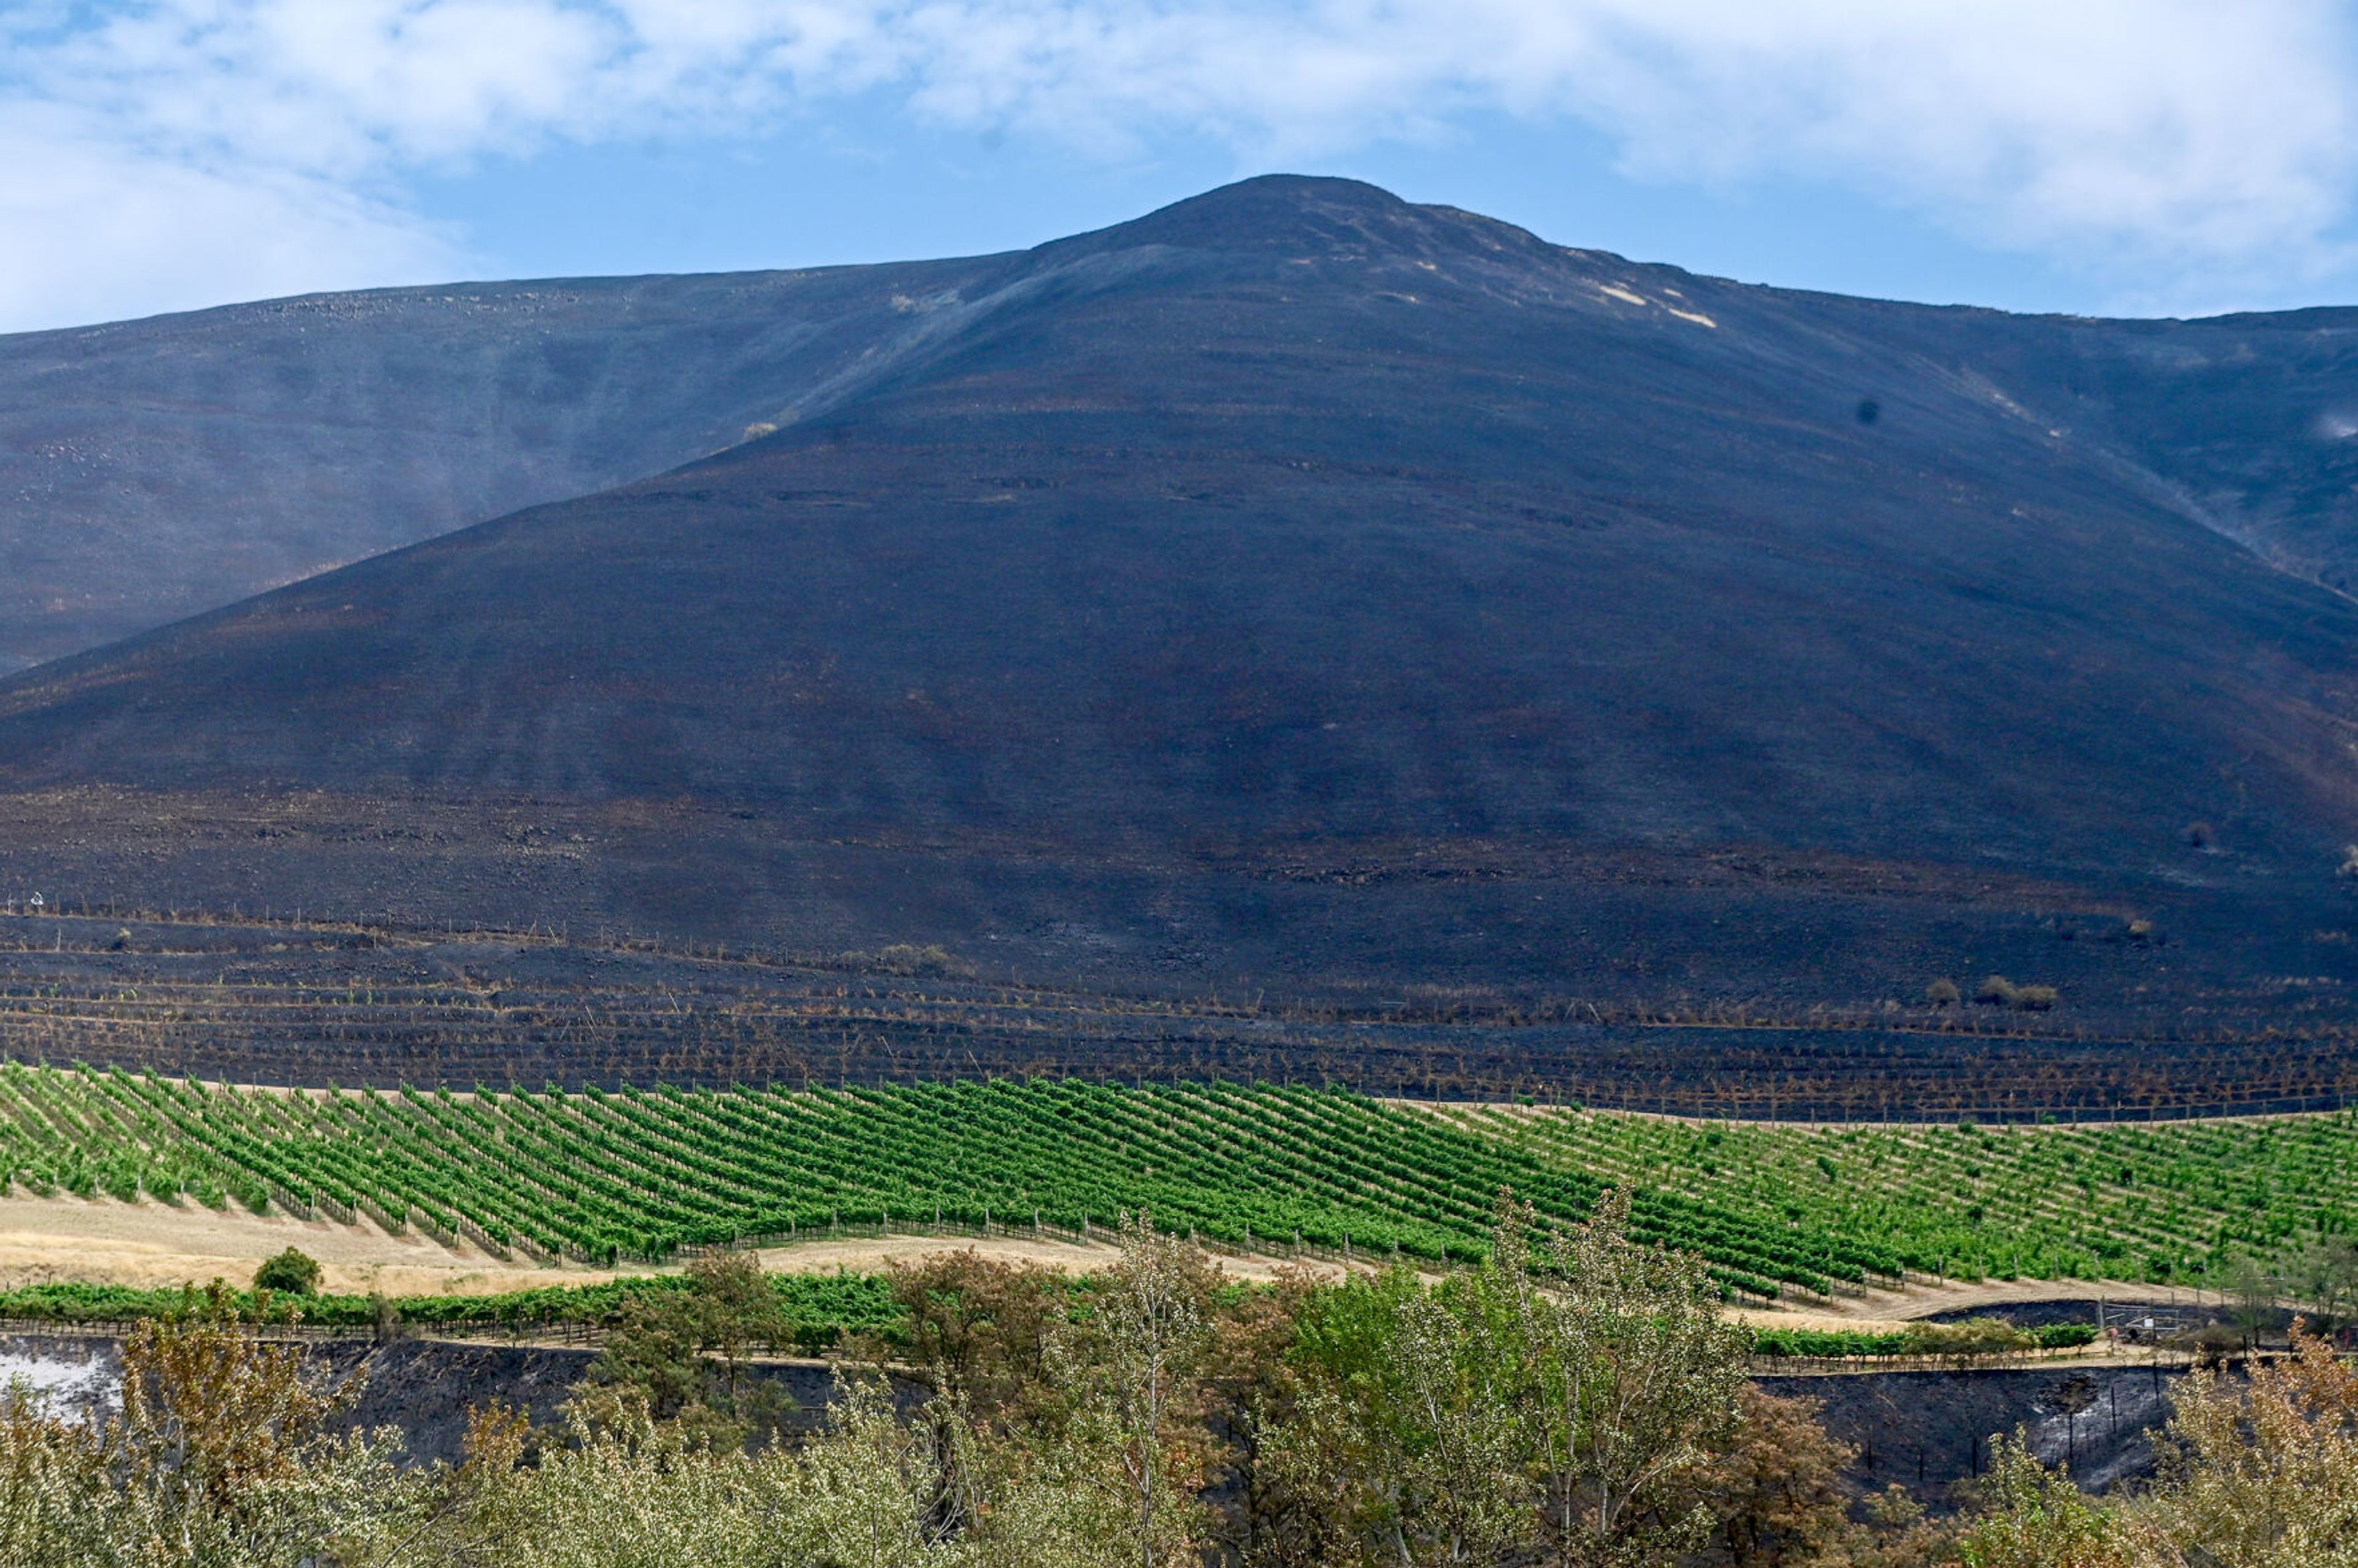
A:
<point x="2152" y="1202"/>
<point x="600" y="1176"/>
<point x="596" y="1177"/>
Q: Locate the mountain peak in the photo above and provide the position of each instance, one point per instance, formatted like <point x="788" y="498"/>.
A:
<point x="1291" y="212"/>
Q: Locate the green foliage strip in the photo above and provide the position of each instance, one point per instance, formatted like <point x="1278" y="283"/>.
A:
<point x="603" y="1176"/>
<point x="2181" y="1202"/>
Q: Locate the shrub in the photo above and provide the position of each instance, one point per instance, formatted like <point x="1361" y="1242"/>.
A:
<point x="1942" y="993"/>
<point x="292" y="1272"/>
<point x="907" y="958"/>
<point x="2035" y="998"/>
<point x="1962" y="1342"/>
<point x="1994" y="991"/>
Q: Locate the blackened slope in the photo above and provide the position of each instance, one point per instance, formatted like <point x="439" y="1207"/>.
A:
<point x="2251" y="421"/>
<point x="154" y="469"/>
<point x="1383" y="610"/>
<point x="1300" y="515"/>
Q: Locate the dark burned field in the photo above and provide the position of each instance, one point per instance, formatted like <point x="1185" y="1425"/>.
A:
<point x="2158" y="1018"/>
<point x="1298" y="635"/>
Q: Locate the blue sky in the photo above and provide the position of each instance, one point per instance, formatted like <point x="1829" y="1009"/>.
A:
<point x="2103" y="157"/>
<point x="872" y="188"/>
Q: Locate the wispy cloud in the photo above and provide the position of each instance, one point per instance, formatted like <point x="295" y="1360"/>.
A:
<point x="175" y="151"/>
<point x="98" y="229"/>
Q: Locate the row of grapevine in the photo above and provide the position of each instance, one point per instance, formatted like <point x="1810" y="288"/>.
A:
<point x="601" y="1175"/>
<point x="816" y="1310"/>
<point x="597" y="1176"/>
<point x="2147" y="1202"/>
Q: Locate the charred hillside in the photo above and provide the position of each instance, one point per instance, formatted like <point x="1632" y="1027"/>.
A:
<point x="150" y="470"/>
<point x="1346" y="601"/>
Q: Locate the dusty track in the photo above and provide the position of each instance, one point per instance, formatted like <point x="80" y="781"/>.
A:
<point x="1877" y="1309"/>
<point x="102" y="1241"/>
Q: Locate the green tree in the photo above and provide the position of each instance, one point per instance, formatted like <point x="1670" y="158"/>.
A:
<point x="223" y="1457"/>
<point x="1457" y="1381"/>
<point x="292" y="1272"/>
<point x="1406" y="1436"/>
<point x="984" y="1328"/>
<point x="2035" y="1518"/>
<point x="2259" y="1471"/>
<point x="1635" y="1378"/>
<point x="1133" y="1377"/>
<point x="2322" y="1276"/>
<point x="683" y="1356"/>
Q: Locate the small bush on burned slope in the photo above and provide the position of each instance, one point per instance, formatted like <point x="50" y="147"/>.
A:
<point x="1999" y="992"/>
<point x="906" y="958"/>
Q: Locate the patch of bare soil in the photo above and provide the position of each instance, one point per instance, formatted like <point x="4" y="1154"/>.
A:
<point x="860" y="1254"/>
<point x="1873" y="1312"/>
<point x="1872" y="1308"/>
<point x="102" y="1241"/>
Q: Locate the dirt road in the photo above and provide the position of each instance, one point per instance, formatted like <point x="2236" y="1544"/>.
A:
<point x="1878" y="1309"/>
<point x="102" y="1241"/>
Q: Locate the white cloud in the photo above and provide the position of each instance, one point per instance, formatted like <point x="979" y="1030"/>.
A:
<point x="2195" y="131"/>
<point x="2164" y="138"/>
<point x="98" y="231"/>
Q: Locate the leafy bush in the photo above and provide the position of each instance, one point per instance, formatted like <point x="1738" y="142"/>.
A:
<point x="1963" y="1341"/>
<point x="1969" y="1340"/>
<point x="1828" y="1342"/>
<point x="293" y="1273"/>
<point x="908" y="958"/>
<point x="1999" y="992"/>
